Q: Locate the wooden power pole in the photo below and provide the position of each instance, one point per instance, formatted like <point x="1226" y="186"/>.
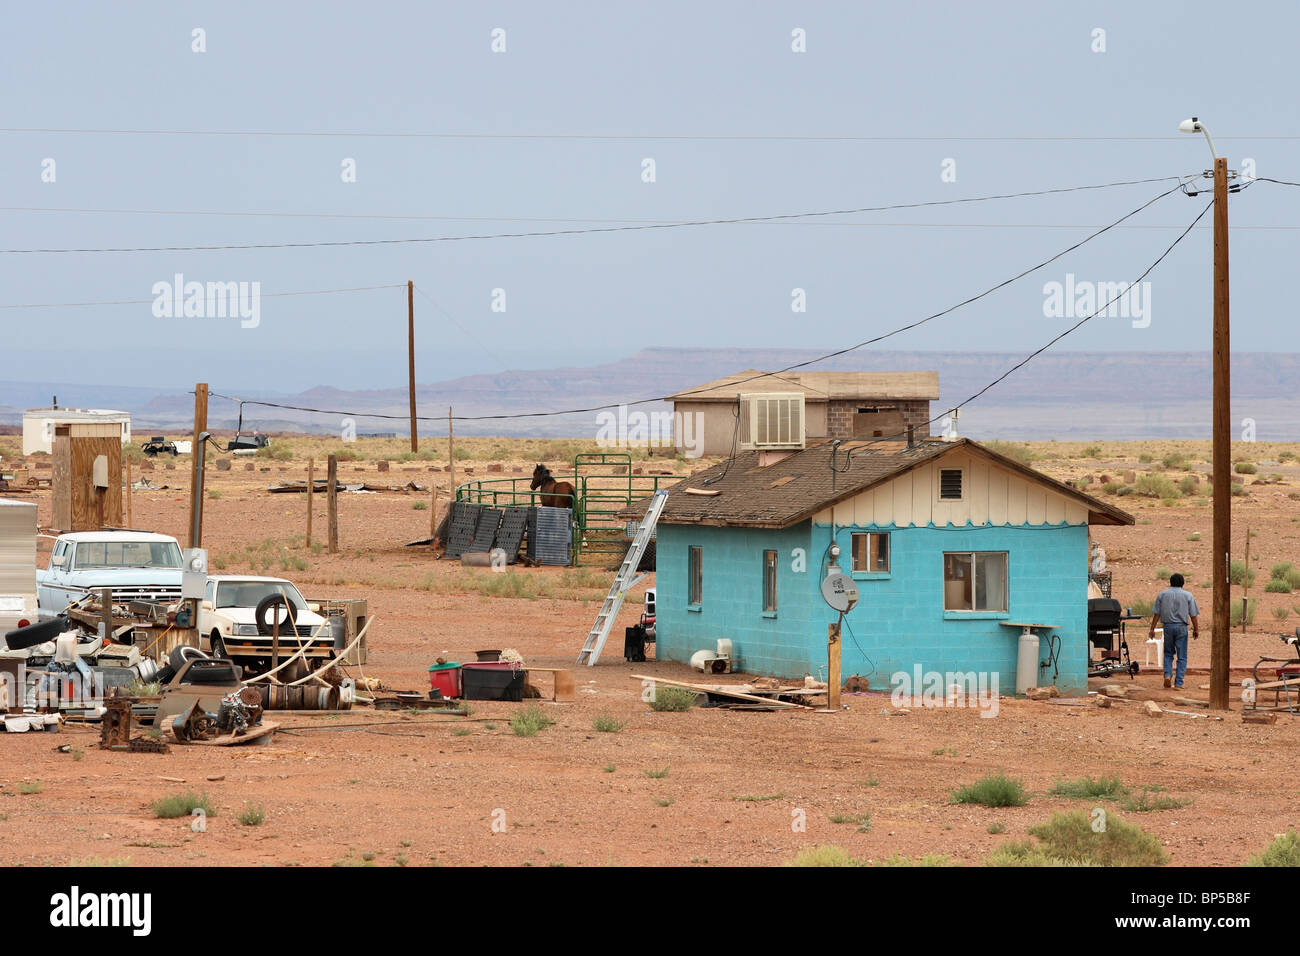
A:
<point x="410" y="349"/>
<point x="197" y="450"/>
<point x="311" y="490"/>
<point x="332" y="501"/>
<point x="1222" y="458"/>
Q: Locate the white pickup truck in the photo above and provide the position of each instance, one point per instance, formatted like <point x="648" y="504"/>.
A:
<point x="243" y="616"/>
<point x="137" y="565"/>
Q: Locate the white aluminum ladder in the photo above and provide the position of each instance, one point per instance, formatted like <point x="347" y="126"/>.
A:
<point x="624" y="581"/>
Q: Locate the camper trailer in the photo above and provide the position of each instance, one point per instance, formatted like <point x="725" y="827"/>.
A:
<point x="17" y="564"/>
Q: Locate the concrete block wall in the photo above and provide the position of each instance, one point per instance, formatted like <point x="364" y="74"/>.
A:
<point x="732" y="597"/>
<point x="840" y="412"/>
<point x="899" y="621"/>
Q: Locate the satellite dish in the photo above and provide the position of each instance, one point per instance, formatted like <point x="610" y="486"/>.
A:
<point x="839" y="591"/>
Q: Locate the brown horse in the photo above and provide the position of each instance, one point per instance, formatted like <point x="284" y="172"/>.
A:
<point x="555" y="494"/>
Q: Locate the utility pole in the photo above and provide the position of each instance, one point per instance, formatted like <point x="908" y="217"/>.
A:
<point x="410" y="349"/>
<point x="1220" y="638"/>
<point x="197" y="450"/>
<point x="1219" y="635"/>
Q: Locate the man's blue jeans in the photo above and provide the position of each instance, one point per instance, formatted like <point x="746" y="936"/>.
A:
<point x="1176" y="643"/>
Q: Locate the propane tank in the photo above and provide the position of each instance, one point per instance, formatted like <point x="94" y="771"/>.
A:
<point x="1027" y="661"/>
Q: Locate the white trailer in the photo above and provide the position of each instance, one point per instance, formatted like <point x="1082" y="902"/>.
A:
<point x="17" y="564"/>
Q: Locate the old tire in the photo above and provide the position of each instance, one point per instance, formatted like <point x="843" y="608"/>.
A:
<point x="262" y="615"/>
<point x="181" y="654"/>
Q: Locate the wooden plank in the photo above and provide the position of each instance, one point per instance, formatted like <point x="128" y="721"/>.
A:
<point x="1017" y="501"/>
<point x="902" y="488"/>
<point x="977" y="491"/>
<point x="1055" y="511"/>
<point x="998" y="495"/>
<point x="1035" y="503"/>
<point x="883" y="504"/>
<point x="721" y="690"/>
<point x="923" y="496"/>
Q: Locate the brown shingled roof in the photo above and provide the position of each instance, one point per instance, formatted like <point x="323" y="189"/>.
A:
<point x="798" y="486"/>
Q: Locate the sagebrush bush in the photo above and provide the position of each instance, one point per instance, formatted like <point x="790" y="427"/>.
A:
<point x="995" y="790"/>
<point x="673" y="699"/>
<point x="1283" y="851"/>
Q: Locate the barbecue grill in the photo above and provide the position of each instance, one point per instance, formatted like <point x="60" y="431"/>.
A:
<point x="1106" y="634"/>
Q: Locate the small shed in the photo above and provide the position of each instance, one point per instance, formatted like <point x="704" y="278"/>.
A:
<point x="87" y="476"/>
<point x="949" y="543"/>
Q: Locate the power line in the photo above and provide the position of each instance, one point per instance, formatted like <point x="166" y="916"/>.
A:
<point x="383" y="217"/>
<point x="619" y="137"/>
<point x="593" y="229"/>
<point x="778" y="372"/>
<point x="1028" y="358"/>
<point x="892" y="332"/>
<point x="467" y="332"/>
<point x="73" y="305"/>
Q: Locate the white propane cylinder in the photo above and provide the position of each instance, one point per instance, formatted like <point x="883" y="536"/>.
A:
<point x="65" y="648"/>
<point x="1027" y="661"/>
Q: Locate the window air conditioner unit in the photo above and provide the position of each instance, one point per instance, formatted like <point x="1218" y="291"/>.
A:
<point x="771" y="420"/>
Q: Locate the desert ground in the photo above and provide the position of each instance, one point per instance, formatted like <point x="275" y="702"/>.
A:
<point x="705" y="786"/>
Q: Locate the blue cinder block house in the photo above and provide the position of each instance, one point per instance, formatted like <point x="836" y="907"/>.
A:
<point x="945" y="539"/>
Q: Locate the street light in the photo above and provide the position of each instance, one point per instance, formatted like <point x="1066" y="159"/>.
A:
<point x="1222" y="425"/>
<point x="1194" y="125"/>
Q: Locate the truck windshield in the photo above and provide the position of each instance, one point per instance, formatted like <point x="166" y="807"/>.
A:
<point x="251" y="593"/>
<point x="128" y="554"/>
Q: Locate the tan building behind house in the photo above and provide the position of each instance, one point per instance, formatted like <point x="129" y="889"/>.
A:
<point x="836" y="405"/>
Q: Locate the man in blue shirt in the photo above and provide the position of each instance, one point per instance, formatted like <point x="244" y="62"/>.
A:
<point x="1174" y="610"/>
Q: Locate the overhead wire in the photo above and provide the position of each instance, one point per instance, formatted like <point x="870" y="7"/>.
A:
<point x="758" y="375"/>
<point x="592" y="230"/>
<point x="617" y="137"/>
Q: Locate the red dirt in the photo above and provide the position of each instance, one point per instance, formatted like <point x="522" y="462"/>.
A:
<point x="427" y="789"/>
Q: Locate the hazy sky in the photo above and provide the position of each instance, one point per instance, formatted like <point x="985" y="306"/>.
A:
<point x="736" y="122"/>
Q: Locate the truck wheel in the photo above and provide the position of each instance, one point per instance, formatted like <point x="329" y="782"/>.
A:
<point x="218" y="646"/>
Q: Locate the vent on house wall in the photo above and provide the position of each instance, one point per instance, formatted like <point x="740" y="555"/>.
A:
<point x="950" y="483"/>
<point x="771" y="420"/>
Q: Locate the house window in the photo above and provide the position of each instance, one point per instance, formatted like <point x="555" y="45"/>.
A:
<point x="695" y="572"/>
<point x="871" y="551"/>
<point x="769" y="580"/>
<point x="975" y="581"/>
<point x="950" y="484"/>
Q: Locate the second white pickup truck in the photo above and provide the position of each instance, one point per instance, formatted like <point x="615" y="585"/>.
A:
<point x="137" y="565"/>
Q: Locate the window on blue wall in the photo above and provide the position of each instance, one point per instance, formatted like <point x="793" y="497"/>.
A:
<point x="975" y="581"/>
<point x="871" y="551"/>
<point x="769" y="580"/>
<point x="695" y="571"/>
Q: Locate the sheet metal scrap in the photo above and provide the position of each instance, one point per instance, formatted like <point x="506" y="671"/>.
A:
<point x="193" y="724"/>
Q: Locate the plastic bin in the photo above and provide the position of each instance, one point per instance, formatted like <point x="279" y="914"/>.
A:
<point x="445" y="678"/>
<point x="494" y="680"/>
